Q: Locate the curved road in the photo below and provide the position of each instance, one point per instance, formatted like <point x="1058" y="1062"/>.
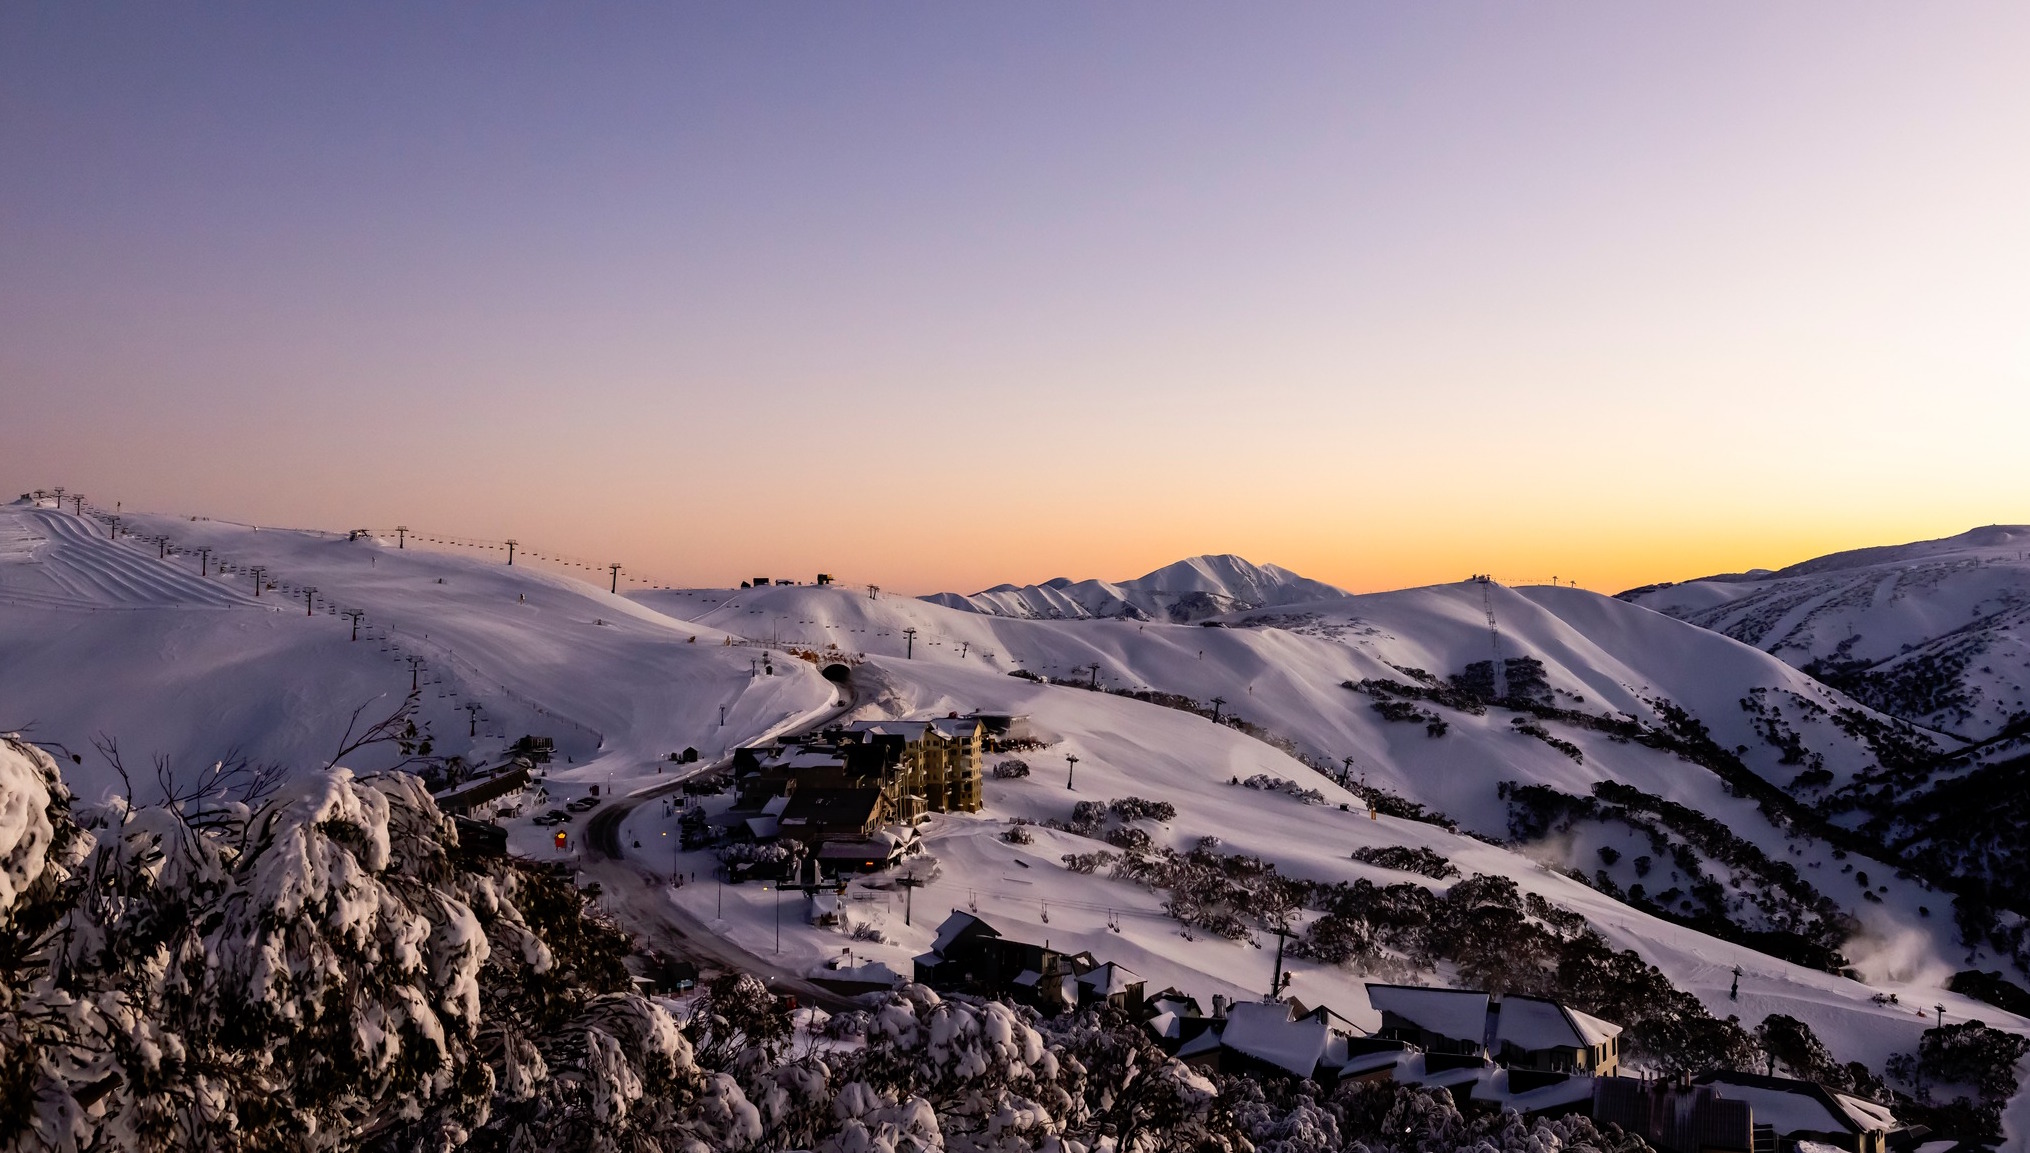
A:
<point x="637" y="894"/>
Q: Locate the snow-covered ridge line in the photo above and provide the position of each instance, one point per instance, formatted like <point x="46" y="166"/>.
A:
<point x="1187" y="590"/>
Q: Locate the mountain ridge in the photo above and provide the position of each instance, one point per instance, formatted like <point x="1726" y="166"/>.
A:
<point x="1186" y="590"/>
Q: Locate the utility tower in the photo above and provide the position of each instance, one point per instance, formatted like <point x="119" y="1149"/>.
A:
<point x="1281" y="980"/>
<point x="355" y="614"/>
<point x="909" y="653"/>
<point x="401" y="536"/>
<point x="511" y="551"/>
<point x="1494" y="638"/>
<point x="616" y="578"/>
<point x="910" y="884"/>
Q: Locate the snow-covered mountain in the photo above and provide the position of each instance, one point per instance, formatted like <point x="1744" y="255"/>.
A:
<point x="1189" y="590"/>
<point x="1658" y="775"/>
<point x="1935" y="632"/>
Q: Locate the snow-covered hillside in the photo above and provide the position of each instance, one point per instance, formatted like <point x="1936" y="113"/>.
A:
<point x="1936" y="632"/>
<point x="1285" y="672"/>
<point x="1188" y="590"/>
<point x="1641" y="749"/>
<point x="113" y="638"/>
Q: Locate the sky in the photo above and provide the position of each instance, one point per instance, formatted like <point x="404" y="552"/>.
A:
<point x="940" y="296"/>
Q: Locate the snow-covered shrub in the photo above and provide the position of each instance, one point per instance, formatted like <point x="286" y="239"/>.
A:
<point x="1279" y="785"/>
<point x="1419" y="860"/>
<point x="1135" y="809"/>
<point x="1088" y="863"/>
<point x="1013" y="768"/>
<point x="1019" y="835"/>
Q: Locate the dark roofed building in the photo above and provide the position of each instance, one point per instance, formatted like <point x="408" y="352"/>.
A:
<point x="1808" y="1111"/>
<point x="814" y="815"/>
<point x="504" y="788"/>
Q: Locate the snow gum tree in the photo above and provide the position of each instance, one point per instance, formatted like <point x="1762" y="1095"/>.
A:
<point x="314" y="968"/>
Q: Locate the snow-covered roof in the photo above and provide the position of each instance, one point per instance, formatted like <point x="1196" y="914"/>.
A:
<point x="1368" y="1062"/>
<point x="1110" y="979"/>
<point x="1493" y="1088"/>
<point x="908" y="730"/>
<point x="1456" y="1013"/>
<point x="1205" y="1042"/>
<point x="776" y="805"/>
<point x="1801" y="1106"/>
<point x="1266" y="1033"/>
<point x="1165" y="1025"/>
<point x="1532" y="1023"/>
<point x="955" y="926"/>
<point x="872" y="972"/>
<point x="763" y="827"/>
<point x="956" y="726"/>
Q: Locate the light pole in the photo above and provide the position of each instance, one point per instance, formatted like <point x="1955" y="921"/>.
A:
<point x="1071" y="766"/>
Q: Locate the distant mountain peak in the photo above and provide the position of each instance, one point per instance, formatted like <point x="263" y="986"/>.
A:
<point x="1187" y="590"/>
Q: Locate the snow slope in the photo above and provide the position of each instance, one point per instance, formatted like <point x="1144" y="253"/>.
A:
<point x="1127" y="747"/>
<point x="1936" y="632"/>
<point x="103" y="637"/>
<point x="1285" y="670"/>
<point x="199" y="662"/>
<point x="1188" y="590"/>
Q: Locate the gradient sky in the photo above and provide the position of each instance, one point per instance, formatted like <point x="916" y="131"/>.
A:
<point x="938" y="296"/>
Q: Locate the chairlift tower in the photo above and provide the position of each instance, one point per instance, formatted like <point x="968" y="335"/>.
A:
<point x="1494" y="638"/>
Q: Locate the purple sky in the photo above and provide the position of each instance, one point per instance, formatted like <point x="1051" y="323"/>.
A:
<point x="939" y="296"/>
